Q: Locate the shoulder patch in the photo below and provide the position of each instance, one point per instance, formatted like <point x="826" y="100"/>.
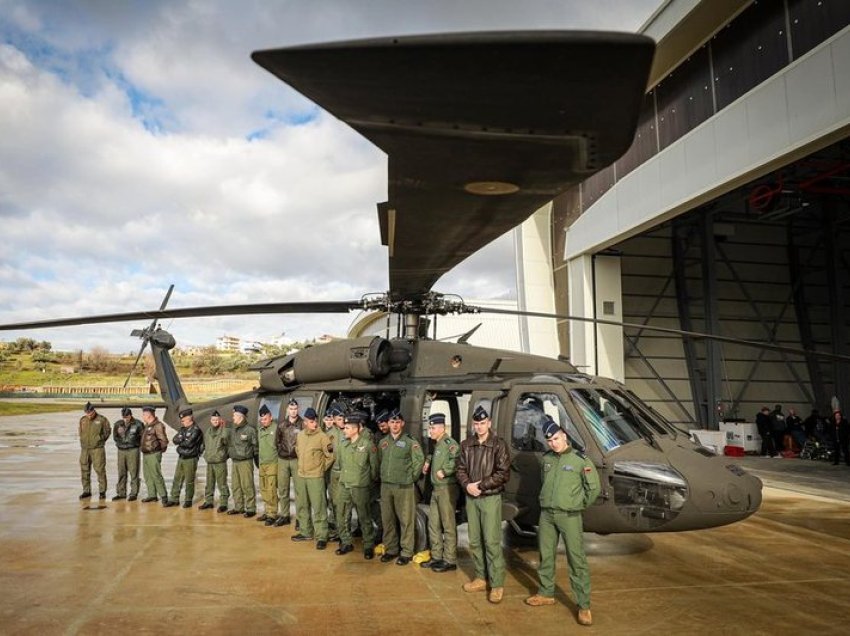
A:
<point x="588" y="469"/>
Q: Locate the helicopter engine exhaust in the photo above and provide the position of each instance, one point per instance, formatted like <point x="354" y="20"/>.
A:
<point x="368" y="358"/>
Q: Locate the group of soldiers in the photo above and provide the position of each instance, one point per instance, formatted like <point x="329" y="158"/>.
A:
<point x="341" y="466"/>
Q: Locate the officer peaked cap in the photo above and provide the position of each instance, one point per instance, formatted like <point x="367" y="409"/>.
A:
<point x="550" y="428"/>
<point x="437" y="419"/>
<point x="480" y="413"/>
<point x="396" y="414"/>
<point x="383" y="416"/>
<point x="184" y="413"/>
<point x="354" y="418"/>
<point x="240" y="409"/>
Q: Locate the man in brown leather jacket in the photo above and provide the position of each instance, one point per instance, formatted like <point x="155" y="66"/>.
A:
<point x="154" y="443"/>
<point x="484" y="467"/>
<point x="287" y="461"/>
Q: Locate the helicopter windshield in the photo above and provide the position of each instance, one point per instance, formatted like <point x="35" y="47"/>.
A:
<point x="610" y="418"/>
<point x="531" y="412"/>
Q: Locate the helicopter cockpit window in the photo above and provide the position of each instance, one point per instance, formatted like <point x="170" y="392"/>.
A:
<point x="612" y="422"/>
<point x="530" y="413"/>
<point x="649" y="416"/>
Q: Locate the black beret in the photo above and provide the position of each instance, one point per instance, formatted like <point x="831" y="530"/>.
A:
<point x="126" y="411"/>
<point x="240" y="409"/>
<point x="264" y="410"/>
<point x="480" y="413"/>
<point x="184" y="413"/>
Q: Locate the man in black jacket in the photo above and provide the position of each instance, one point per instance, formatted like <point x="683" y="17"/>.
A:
<point x="484" y="468"/>
<point x="190" y="446"/>
<point x="127" y="433"/>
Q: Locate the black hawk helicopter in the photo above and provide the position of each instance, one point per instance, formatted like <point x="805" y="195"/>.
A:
<point x="480" y="130"/>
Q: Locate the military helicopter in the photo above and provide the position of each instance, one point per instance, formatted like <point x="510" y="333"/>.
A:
<point x="480" y="129"/>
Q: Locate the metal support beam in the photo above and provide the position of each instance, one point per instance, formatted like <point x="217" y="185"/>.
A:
<point x="680" y="246"/>
<point x="633" y="342"/>
<point x="713" y="376"/>
<point x="836" y="282"/>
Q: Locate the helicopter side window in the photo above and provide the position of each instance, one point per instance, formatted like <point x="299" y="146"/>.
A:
<point x="273" y="403"/>
<point x="531" y="412"/>
<point x="454" y="406"/>
<point x="611" y="423"/>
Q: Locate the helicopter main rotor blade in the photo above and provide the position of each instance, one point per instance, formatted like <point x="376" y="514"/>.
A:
<point x="677" y="332"/>
<point x="146" y="339"/>
<point x="316" y="307"/>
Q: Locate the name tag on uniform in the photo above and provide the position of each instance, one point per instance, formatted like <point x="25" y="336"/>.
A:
<point x="243" y="437"/>
<point x="401" y="443"/>
<point x="568" y="468"/>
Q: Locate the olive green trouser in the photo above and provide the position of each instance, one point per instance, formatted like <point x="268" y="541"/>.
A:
<point x="441" y="521"/>
<point x="312" y="507"/>
<point x="216" y="476"/>
<point x="553" y="525"/>
<point x="128" y="464"/>
<point x="187" y="468"/>
<point x="287" y="472"/>
<point x="484" y="515"/>
<point x="152" y="468"/>
<point x="268" y="488"/>
<point x="93" y="458"/>
<point x="375" y="504"/>
<point x="357" y="498"/>
<point x="242" y="485"/>
<point x="398" y="502"/>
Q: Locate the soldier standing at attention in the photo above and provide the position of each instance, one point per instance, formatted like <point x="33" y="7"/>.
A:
<point x="215" y="454"/>
<point x="483" y="470"/>
<point x="268" y="465"/>
<point x="382" y="421"/>
<point x="287" y="462"/>
<point x="243" y="450"/>
<point x="336" y="437"/>
<point x="358" y="458"/>
<point x="441" y="515"/>
<point x="570" y="484"/>
<point x="189" y="441"/>
<point x="154" y="444"/>
<point x="315" y="456"/>
<point x="127" y="433"/>
<point x="94" y="431"/>
<point x="401" y="464"/>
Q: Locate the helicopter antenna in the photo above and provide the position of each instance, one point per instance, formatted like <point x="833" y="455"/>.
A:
<point x="145" y="334"/>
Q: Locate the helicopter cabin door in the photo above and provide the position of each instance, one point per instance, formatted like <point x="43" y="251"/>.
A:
<point x="520" y="421"/>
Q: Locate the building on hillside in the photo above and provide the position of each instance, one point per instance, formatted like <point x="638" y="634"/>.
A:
<point x="228" y="343"/>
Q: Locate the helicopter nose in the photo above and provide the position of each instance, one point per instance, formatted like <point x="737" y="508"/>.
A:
<point x="732" y="493"/>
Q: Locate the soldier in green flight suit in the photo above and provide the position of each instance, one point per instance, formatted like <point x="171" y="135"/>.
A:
<point x="243" y="449"/>
<point x="336" y="437"/>
<point x="127" y="433"/>
<point x="216" y="439"/>
<point x="359" y="467"/>
<point x="315" y="456"/>
<point x="268" y="465"/>
<point x="189" y="442"/>
<point x="401" y="464"/>
<point x="441" y="515"/>
<point x="570" y="484"/>
<point x="94" y="431"/>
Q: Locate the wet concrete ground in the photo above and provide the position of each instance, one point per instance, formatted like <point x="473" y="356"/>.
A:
<point x="138" y="568"/>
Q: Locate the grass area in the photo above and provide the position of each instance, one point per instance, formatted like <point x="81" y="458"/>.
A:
<point x="31" y="408"/>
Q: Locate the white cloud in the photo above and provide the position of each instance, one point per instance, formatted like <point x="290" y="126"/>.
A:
<point x="126" y="164"/>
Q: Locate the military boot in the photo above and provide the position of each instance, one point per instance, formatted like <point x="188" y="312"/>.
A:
<point x="584" y="617"/>
<point x="85" y="495"/>
<point x="148" y="499"/>
<point x="476" y="585"/>
<point x="205" y="506"/>
<point x="496" y="595"/>
<point x="168" y="504"/>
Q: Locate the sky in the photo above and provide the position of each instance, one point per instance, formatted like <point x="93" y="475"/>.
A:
<point x="140" y="146"/>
